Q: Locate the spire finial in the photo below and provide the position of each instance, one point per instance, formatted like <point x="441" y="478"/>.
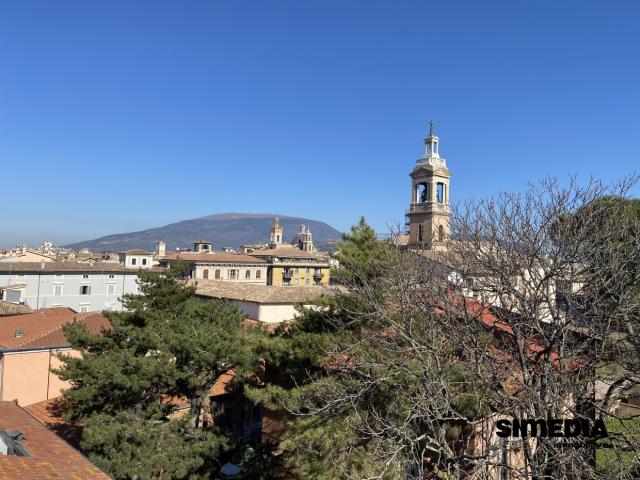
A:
<point x="431" y="127"/>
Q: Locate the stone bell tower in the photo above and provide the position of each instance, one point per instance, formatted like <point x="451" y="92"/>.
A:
<point x="429" y="214"/>
<point x="275" y="234"/>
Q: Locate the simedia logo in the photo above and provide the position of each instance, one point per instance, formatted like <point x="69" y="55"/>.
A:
<point x="553" y="427"/>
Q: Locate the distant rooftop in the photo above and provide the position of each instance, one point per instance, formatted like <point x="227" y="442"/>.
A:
<point x="262" y="293"/>
<point x="136" y="251"/>
<point x="61" y="267"/>
<point x="286" y="251"/>
<point x="214" y="257"/>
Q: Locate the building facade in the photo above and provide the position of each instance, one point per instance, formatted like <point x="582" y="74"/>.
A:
<point x="429" y="215"/>
<point x="81" y="287"/>
<point x="298" y="264"/>
<point x="136" y="259"/>
<point x="223" y="267"/>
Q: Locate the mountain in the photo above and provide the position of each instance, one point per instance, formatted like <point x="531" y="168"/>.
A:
<point x="224" y="230"/>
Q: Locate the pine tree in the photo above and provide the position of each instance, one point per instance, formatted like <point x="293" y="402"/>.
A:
<point x="167" y="347"/>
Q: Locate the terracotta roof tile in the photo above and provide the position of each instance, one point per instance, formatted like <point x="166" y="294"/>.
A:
<point x="288" y="251"/>
<point x="136" y="251"/>
<point x="211" y="257"/>
<point x="262" y="293"/>
<point x="49" y="455"/>
<point x="49" y="413"/>
<point x="43" y="328"/>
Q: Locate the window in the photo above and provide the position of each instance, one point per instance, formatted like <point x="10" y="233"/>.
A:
<point x="144" y="261"/>
<point x="205" y="274"/>
<point x="440" y="192"/>
<point x="85" y="290"/>
<point x="85" y="276"/>
<point x="111" y="289"/>
<point x="420" y="233"/>
<point x="247" y="274"/>
<point x="233" y="274"/>
<point x="307" y="282"/>
<point x="296" y="282"/>
<point x="13" y="296"/>
<point x="57" y="290"/>
<point x="217" y="275"/>
<point x="441" y="233"/>
<point x="111" y="275"/>
<point x="84" y="308"/>
<point x="258" y="274"/>
<point x="133" y="261"/>
<point x="306" y="270"/>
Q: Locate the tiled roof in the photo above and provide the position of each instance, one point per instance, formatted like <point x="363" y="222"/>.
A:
<point x="211" y="257"/>
<point x="288" y="251"/>
<point x="49" y="455"/>
<point x="55" y="267"/>
<point x="43" y="328"/>
<point x="262" y="293"/>
<point x="7" y="308"/>
<point x="136" y="252"/>
<point x="49" y="413"/>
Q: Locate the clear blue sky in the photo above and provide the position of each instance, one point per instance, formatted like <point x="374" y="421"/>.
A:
<point x="122" y="115"/>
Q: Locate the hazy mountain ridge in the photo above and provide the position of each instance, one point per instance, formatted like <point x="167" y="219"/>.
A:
<point x="224" y="230"/>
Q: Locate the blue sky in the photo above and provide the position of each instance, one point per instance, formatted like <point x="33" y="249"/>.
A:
<point x="118" y="115"/>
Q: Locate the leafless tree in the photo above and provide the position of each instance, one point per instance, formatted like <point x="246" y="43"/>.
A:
<point x="518" y="317"/>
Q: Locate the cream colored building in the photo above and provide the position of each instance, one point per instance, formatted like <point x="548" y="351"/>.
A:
<point x="222" y="267"/>
<point x="298" y="264"/>
<point x="264" y="303"/>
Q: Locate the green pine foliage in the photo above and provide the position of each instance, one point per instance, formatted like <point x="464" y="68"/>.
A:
<point x="167" y="348"/>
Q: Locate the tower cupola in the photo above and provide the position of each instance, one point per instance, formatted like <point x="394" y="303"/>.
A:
<point x="431" y="142"/>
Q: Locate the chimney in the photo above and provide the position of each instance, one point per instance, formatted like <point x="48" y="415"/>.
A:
<point x="161" y="249"/>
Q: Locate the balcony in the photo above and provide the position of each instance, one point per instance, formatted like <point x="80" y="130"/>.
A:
<point x="428" y="206"/>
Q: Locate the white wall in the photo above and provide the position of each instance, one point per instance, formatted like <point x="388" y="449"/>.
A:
<point x="268" y="313"/>
<point x="129" y="261"/>
<point x="40" y="290"/>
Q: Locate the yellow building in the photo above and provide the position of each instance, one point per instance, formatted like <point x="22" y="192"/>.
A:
<point x="298" y="264"/>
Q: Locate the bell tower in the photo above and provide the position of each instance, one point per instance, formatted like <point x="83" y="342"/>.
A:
<point x="275" y="234"/>
<point x="429" y="214"/>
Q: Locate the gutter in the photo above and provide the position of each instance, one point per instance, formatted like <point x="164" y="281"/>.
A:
<point x="34" y="349"/>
